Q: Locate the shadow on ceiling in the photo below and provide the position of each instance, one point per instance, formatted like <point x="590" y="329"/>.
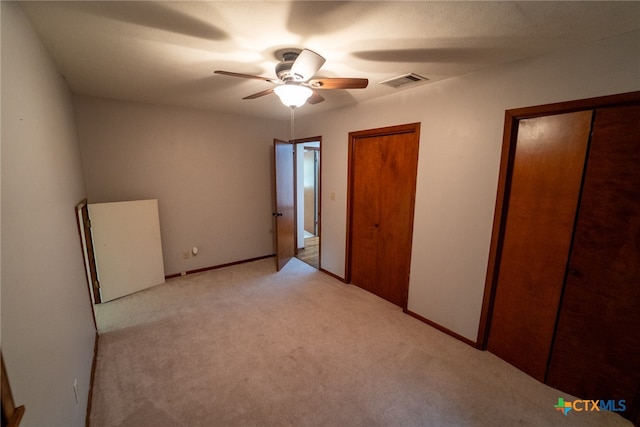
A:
<point x="156" y="15"/>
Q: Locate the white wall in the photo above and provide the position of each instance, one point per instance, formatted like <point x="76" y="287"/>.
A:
<point x="211" y="174"/>
<point x="461" y="137"/>
<point x="47" y="326"/>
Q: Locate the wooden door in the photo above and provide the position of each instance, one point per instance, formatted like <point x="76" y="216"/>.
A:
<point x="284" y="199"/>
<point x="383" y="168"/>
<point x="544" y="187"/>
<point x="596" y="353"/>
<point x="127" y="245"/>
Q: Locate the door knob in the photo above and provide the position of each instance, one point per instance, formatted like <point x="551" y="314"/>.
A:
<point x="277" y="214"/>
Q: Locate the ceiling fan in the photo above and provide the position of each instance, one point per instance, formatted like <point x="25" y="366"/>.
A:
<point x="295" y="84"/>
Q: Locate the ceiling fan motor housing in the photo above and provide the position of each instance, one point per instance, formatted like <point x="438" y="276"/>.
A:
<point x="283" y="68"/>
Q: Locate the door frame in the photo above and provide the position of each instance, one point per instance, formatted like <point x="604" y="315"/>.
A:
<point x="296" y="142"/>
<point x="511" y="120"/>
<point x="353" y="137"/>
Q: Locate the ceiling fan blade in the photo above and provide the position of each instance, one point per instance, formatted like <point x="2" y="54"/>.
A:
<point x="338" y="83"/>
<point x="315" y="98"/>
<point x="306" y="64"/>
<point x="259" y="94"/>
<point x="245" y="76"/>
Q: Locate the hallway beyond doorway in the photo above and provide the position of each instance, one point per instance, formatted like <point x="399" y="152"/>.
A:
<point x="308" y="172"/>
<point x="310" y="253"/>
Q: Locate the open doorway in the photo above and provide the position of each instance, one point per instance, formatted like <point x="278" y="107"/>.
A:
<point x="307" y="154"/>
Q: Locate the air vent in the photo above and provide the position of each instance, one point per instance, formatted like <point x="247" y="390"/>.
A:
<point x="404" y="80"/>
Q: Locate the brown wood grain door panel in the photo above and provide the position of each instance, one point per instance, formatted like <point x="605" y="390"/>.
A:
<point x="284" y="213"/>
<point x="544" y="188"/>
<point x="383" y="169"/>
<point x="365" y="213"/>
<point x="396" y="218"/>
<point x="596" y="353"/>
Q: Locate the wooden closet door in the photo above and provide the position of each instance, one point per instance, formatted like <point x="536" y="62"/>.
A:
<point x="544" y="187"/>
<point x="596" y="353"/>
<point x="383" y="182"/>
<point x="365" y="213"/>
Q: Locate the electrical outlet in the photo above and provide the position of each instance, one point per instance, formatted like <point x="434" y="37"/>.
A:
<point x="185" y="254"/>
<point x="75" y="390"/>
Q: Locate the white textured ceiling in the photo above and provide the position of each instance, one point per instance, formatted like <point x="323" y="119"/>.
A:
<point x="165" y="52"/>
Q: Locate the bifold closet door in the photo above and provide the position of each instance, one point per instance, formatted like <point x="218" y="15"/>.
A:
<point x="383" y="168"/>
<point x="541" y="206"/>
<point x="596" y="353"/>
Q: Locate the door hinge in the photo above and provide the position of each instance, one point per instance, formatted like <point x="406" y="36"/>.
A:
<point x="96" y="284"/>
<point x="87" y="223"/>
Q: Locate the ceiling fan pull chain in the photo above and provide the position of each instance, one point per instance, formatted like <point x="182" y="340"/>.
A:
<point x="291" y="130"/>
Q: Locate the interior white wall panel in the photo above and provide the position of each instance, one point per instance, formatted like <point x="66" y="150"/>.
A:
<point x="47" y="326"/>
<point x="211" y="174"/>
<point x="460" y="144"/>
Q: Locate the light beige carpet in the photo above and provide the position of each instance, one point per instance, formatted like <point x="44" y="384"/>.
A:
<point x="246" y="346"/>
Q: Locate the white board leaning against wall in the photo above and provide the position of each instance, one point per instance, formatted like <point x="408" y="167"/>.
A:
<point x="127" y="246"/>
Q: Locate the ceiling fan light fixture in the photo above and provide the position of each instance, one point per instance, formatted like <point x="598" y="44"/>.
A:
<point x="293" y="95"/>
